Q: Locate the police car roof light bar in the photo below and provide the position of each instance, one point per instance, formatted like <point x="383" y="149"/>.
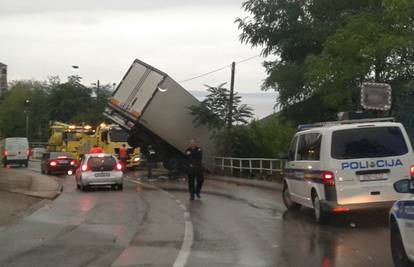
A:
<point x="302" y="127"/>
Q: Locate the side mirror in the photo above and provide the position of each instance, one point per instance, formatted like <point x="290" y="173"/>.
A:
<point x="404" y="186"/>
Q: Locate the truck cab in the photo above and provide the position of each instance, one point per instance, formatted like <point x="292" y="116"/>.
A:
<point x="111" y="137"/>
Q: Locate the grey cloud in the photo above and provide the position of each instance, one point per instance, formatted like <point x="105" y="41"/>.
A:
<point x="41" y="6"/>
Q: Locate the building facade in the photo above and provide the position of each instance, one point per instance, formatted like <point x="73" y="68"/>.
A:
<point x="3" y="79"/>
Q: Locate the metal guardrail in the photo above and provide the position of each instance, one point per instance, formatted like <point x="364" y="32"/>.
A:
<point x="250" y="165"/>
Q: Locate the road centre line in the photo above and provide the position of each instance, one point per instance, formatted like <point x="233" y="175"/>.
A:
<point x="185" y="250"/>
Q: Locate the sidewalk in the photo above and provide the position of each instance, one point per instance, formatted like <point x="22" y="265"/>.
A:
<point x="23" y="181"/>
<point x="246" y="182"/>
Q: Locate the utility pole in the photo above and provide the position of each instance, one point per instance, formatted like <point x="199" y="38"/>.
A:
<point x="230" y="118"/>
<point x="230" y="115"/>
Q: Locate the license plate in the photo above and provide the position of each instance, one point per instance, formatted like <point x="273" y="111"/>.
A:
<point x="102" y="174"/>
<point x="373" y="177"/>
<point x="63" y="161"/>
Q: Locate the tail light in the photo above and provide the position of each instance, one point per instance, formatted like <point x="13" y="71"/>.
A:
<point x="28" y="152"/>
<point x="85" y="167"/>
<point x="119" y="166"/>
<point x="53" y="163"/>
<point x="6" y="152"/>
<point x="412" y="171"/>
<point x="328" y="178"/>
<point x="72" y="162"/>
<point x="341" y="209"/>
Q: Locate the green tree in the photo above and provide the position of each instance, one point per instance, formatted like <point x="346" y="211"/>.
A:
<point x="14" y="107"/>
<point x="214" y="109"/>
<point x="325" y="49"/>
<point x="70" y="101"/>
<point x="214" y="112"/>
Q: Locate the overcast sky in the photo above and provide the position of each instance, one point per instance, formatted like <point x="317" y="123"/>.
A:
<point x="183" y="38"/>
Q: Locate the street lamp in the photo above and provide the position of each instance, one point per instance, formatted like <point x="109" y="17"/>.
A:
<point x="27" y="103"/>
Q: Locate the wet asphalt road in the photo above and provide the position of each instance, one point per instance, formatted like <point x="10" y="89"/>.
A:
<point x="230" y="226"/>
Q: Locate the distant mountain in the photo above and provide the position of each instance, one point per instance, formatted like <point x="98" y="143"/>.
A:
<point x="262" y="102"/>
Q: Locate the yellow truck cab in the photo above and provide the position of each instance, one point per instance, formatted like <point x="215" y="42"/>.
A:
<point x="75" y="139"/>
<point x="111" y="137"/>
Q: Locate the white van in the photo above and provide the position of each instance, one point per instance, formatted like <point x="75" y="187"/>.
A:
<point x="347" y="166"/>
<point x="15" y="150"/>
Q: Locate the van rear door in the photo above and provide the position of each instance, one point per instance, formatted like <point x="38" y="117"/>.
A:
<point x="367" y="161"/>
<point x="17" y="148"/>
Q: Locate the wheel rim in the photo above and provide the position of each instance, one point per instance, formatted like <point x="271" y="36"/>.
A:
<point x="317" y="208"/>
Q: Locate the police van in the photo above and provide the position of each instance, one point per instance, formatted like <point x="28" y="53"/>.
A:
<point x="402" y="225"/>
<point x="344" y="166"/>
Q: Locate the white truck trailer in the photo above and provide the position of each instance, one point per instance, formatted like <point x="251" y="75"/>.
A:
<point x="155" y="110"/>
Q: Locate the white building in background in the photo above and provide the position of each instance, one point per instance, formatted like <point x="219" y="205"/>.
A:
<point x="3" y="79"/>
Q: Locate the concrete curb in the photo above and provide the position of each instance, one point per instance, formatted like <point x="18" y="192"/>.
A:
<point x="39" y="186"/>
<point x="247" y="182"/>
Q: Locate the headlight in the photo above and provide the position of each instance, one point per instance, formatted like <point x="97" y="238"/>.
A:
<point x="137" y="159"/>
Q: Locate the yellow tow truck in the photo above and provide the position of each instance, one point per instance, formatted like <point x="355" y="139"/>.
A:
<point x="76" y="139"/>
<point x="111" y="137"/>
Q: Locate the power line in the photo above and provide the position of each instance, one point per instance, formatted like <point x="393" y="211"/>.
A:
<point x="205" y="74"/>
<point x="219" y="69"/>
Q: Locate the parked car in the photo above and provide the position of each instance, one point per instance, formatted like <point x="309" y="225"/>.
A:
<point x="402" y="225"/>
<point x="99" y="170"/>
<point x="57" y="162"/>
<point x="15" y="150"/>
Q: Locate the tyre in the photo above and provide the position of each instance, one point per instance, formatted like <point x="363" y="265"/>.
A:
<point x="171" y="163"/>
<point x="5" y="164"/>
<point x="290" y="205"/>
<point x="399" y="256"/>
<point x="320" y="215"/>
<point x="120" y="187"/>
<point x="82" y="188"/>
<point x="42" y="171"/>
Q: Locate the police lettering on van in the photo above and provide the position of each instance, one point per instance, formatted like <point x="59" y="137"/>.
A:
<point x="354" y="165"/>
<point x="346" y="166"/>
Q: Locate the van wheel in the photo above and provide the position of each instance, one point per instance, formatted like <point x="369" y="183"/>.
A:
<point x="320" y="214"/>
<point x="120" y="187"/>
<point x="398" y="253"/>
<point x="5" y="164"/>
<point x="287" y="200"/>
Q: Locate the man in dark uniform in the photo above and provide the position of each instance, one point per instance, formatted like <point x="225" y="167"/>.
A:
<point x="194" y="156"/>
<point x="150" y="160"/>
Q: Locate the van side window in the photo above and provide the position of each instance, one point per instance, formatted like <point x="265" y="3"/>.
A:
<point x="292" y="149"/>
<point x="309" y="147"/>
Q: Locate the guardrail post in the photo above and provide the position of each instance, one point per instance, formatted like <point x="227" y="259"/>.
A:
<point x="231" y="166"/>
<point x="261" y="166"/>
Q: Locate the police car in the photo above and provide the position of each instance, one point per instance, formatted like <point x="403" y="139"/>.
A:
<point x="402" y="225"/>
<point x="345" y="166"/>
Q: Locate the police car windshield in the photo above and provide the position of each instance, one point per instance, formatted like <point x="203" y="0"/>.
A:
<point x="368" y="143"/>
<point x="118" y="135"/>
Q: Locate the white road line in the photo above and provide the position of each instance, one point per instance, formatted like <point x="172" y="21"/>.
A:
<point x="185" y="249"/>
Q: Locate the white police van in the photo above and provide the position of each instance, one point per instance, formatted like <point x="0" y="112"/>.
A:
<point x="402" y="225"/>
<point x="345" y="166"/>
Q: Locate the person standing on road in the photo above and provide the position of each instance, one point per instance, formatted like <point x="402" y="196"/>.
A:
<point x="123" y="154"/>
<point x="150" y="160"/>
<point x="194" y="156"/>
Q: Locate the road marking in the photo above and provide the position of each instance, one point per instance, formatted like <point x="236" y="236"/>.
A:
<point x="188" y="240"/>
